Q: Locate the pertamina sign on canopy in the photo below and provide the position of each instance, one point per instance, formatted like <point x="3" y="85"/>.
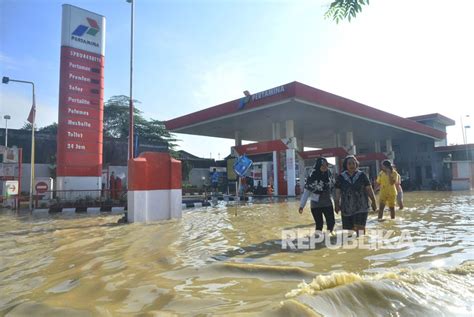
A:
<point x="80" y="122"/>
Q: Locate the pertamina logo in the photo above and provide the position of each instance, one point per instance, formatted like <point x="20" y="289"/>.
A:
<point x="90" y="30"/>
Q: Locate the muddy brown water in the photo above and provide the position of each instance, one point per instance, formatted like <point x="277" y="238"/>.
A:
<point x="228" y="260"/>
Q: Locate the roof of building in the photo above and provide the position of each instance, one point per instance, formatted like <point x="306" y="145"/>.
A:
<point x="453" y="148"/>
<point x="188" y="156"/>
<point x="313" y="110"/>
<point x="434" y="116"/>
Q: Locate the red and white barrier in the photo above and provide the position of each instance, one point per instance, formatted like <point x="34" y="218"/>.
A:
<point x="154" y="191"/>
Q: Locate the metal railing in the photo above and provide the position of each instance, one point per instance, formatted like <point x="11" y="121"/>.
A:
<point x="80" y="198"/>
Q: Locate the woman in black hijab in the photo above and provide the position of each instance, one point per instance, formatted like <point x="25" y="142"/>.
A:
<point x="318" y="186"/>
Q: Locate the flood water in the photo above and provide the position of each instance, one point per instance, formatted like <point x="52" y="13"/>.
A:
<point x="228" y="260"/>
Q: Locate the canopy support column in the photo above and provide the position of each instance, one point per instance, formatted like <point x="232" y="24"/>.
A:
<point x="378" y="149"/>
<point x="290" y="159"/>
<point x="276" y="135"/>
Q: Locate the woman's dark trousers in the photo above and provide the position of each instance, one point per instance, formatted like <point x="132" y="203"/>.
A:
<point x="328" y="213"/>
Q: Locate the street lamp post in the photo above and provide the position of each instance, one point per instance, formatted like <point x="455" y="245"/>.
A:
<point x="131" y="123"/>
<point x="464" y="128"/>
<point x="6" y="117"/>
<point x="467" y="144"/>
<point x="6" y="80"/>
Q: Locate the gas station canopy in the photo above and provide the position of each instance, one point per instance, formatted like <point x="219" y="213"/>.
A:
<point x="318" y="116"/>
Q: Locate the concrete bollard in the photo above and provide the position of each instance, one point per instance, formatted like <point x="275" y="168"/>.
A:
<point x="154" y="188"/>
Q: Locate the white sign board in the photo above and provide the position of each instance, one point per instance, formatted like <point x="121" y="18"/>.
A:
<point x="83" y="30"/>
<point x="10" y="155"/>
<point x="7" y="169"/>
<point x="11" y="188"/>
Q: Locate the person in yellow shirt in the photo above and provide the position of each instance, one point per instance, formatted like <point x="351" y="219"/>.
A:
<point x="398" y="186"/>
<point x="387" y="179"/>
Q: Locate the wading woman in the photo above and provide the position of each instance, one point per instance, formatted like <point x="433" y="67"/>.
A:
<point x="353" y="191"/>
<point x="318" y="187"/>
<point x="387" y="180"/>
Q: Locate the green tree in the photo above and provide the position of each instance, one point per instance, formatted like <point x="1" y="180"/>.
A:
<point x="116" y="118"/>
<point x="154" y="131"/>
<point x="52" y="128"/>
<point x="186" y="168"/>
<point x="340" y="10"/>
<point x="27" y="126"/>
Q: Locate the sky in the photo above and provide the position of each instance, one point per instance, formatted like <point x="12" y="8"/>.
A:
<point x="402" y="56"/>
